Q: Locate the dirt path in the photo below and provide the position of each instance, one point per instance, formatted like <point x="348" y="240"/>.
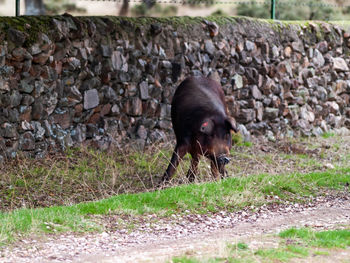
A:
<point x="323" y="216"/>
<point x="159" y="239"/>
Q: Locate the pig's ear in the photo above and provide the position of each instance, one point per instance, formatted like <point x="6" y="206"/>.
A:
<point x="207" y="126"/>
<point x="231" y="124"/>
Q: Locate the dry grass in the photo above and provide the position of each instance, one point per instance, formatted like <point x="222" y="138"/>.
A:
<point x="78" y="175"/>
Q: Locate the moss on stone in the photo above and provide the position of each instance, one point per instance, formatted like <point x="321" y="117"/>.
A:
<point x="143" y="21"/>
<point x="44" y="23"/>
<point x="31" y="25"/>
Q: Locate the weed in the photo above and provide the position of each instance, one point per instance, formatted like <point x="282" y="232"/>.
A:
<point x="327" y="135"/>
<point x="237" y="246"/>
<point x="336" y="147"/>
<point x="321" y="253"/>
<point x="302" y="156"/>
<point x="238" y="140"/>
<point x="268" y="159"/>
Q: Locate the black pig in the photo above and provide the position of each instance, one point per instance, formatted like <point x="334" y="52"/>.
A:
<point x="201" y="126"/>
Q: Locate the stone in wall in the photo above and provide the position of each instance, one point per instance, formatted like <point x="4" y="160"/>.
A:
<point x="104" y="81"/>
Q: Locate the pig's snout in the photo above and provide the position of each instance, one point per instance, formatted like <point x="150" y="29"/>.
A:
<point x="223" y="160"/>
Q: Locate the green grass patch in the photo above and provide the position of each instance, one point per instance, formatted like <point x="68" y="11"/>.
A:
<point x="238" y="140"/>
<point x="184" y="260"/>
<point x="325" y="239"/>
<point x="187" y="259"/>
<point x="237" y="247"/>
<point x="321" y="253"/>
<point x="280" y="254"/>
<point x="241" y="246"/>
<point x="327" y="135"/>
<point x="299" y="250"/>
<point x="230" y="194"/>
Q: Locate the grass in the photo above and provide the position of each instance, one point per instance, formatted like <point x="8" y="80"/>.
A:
<point x="325" y="239"/>
<point x="281" y="254"/>
<point x="230" y="194"/>
<point x="238" y="140"/>
<point x="308" y="241"/>
<point x="293" y="243"/>
<point x="238" y="246"/>
<point x="327" y="135"/>
<point x="184" y="260"/>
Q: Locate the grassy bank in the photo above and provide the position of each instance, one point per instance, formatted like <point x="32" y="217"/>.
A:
<point x="230" y="194"/>
<point x="82" y="175"/>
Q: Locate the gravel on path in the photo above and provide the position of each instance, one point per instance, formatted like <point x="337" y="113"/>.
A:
<point x="157" y="239"/>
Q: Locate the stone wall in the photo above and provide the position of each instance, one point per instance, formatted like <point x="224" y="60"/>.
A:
<point x="105" y="80"/>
